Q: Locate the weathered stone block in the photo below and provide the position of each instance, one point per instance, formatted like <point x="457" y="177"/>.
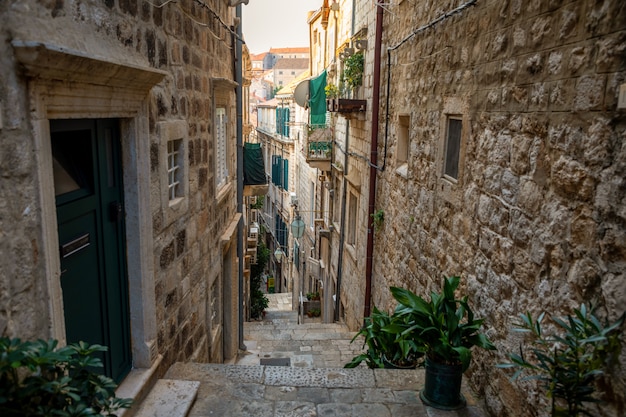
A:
<point x="589" y="93"/>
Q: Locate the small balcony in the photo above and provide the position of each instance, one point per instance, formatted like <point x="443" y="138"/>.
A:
<point x="319" y="148"/>
<point x="345" y="105"/>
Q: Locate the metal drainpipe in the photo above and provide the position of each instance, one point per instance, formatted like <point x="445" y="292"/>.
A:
<point x="342" y="233"/>
<point x="238" y="93"/>
<point x="373" y="162"/>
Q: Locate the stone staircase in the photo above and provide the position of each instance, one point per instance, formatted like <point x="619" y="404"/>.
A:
<point x="292" y="369"/>
<point x="309" y="345"/>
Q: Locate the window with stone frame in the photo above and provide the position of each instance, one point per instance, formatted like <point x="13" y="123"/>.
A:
<point x="352" y="219"/>
<point x="221" y="148"/>
<point x="452" y="150"/>
<point x="173" y="146"/>
<point x="402" y="145"/>
<point x="175" y="171"/>
<point x="337" y="202"/>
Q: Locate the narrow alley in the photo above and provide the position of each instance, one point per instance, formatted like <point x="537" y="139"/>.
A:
<point x="303" y="376"/>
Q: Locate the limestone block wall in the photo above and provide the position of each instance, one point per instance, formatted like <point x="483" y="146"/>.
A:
<point x="188" y="41"/>
<point x="536" y="221"/>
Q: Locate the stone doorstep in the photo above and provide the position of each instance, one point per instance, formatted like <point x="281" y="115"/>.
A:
<point x="169" y="398"/>
<point x="137" y="385"/>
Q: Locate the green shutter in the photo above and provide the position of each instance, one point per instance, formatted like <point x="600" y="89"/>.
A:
<point x="286" y="121"/>
<point x="279" y="117"/>
<point x="286" y="174"/>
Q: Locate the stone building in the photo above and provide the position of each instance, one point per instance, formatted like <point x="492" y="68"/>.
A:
<point x="118" y="213"/>
<point x="499" y="158"/>
<point x="503" y="161"/>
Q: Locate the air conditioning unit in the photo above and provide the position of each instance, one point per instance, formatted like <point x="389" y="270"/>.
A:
<point x="321" y="178"/>
<point x="252" y="200"/>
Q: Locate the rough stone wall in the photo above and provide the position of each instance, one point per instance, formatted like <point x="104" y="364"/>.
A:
<point x="537" y="220"/>
<point x="20" y="263"/>
<point x="187" y="254"/>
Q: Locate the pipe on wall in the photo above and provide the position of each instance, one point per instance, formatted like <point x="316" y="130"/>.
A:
<point x="238" y="94"/>
<point x="373" y="162"/>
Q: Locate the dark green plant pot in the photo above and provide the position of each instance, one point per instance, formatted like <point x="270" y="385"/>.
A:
<point x="442" y="389"/>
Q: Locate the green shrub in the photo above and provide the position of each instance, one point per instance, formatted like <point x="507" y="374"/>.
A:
<point x="37" y="379"/>
<point x="569" y="361"/>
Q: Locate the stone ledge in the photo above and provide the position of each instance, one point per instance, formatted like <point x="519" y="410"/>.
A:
<point x="169" y="398"/>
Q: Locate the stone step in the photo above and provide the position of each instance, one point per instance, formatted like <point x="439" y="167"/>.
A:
<point x="169" y="398"/>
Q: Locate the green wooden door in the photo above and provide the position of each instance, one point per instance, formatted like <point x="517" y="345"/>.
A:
<point x="90" y="215"/>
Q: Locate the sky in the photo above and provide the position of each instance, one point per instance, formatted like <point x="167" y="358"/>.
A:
<point x="276" y="23"/>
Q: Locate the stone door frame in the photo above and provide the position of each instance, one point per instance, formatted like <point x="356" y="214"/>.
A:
<point x="97" y="88"/>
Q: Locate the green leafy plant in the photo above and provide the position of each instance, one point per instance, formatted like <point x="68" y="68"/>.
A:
<point x="569" y="362"/>
<point x="444" y="327"/>
<point x="331" y="90"/>
<point x="39" y="379"/>
<point x="258" y="299"/>
<point x="385" y="339"/>
<point x="259" y="202"/>
<point x="378" y="218"/>
<point x="314" y="312"/>
<point x="352" y="75"/>
<point x="313" y="296"/>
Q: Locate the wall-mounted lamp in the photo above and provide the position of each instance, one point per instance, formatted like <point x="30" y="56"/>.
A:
<point x="279" y="254"/>
<point x="297" y="227"/>
<point x="334" y="6"/>
<point x="348" y="52"/>
<point x="233" y="3"/>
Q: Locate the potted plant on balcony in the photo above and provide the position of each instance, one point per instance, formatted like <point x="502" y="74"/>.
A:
<point x="446" y="329"/>
<point x="352" y="74"/>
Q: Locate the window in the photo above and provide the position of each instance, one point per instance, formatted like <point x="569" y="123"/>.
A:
<point x="174" y="169"/>
<point x="452" y="148"/>
<point x="402" y="147"/>
<point x="221" y="147"/>
<point x="282" y="121"/>
<point x="337" y="201"/>
<point x="352" y="212"/>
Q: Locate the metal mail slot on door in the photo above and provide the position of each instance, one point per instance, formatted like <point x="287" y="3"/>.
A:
<point x="75" y="245"/>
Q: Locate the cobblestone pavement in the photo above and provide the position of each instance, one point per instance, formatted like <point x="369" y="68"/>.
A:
<point x="312" y="381"/>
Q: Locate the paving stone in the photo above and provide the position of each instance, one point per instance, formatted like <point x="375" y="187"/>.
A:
<point x="295" y="409"/>
<point x="334" y="410"/>
<point x="281" y="393"/>
<point x="346" y="395"/>
<point x="315" y="395"/>
<point x="370" y="409"/>
<point x="378" y="395"/>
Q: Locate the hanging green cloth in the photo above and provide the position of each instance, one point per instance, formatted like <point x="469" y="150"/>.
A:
<point x="253" y="166"/>
<point x="317" y="100"/>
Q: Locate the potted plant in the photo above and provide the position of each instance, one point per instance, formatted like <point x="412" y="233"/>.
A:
<point x="352" y="75"/>
<point x="446" y="330"/>
<point x="388" y="346"/>
<point x="313" y="296"/>
<point x="38" y="378"/>
<point x="569" y="360"/>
